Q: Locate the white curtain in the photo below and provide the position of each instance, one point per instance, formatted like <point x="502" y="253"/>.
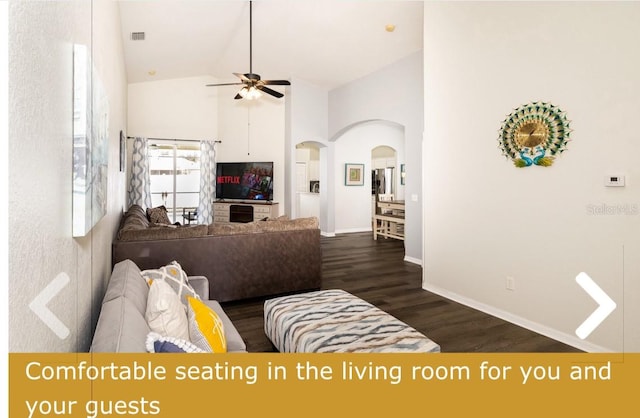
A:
<point x="140" y="182"/>
<point x="207" y="181"/>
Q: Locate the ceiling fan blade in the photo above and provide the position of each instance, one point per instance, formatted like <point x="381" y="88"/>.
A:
<point x="275" y="82"/>
<point x="269" y="91"/>
<point x="238" y="97"/>
<point x="242" y="77"/>
<point x="224" y="84"/>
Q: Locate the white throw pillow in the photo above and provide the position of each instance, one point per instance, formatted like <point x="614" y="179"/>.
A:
<point x="176" y="277"/>
<point x="165" y="313"/>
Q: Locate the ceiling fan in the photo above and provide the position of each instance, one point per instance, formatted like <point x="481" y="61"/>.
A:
<point x="252" y="84"/>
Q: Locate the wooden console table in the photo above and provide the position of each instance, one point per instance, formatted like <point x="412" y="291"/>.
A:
<point x="389" y="223"/>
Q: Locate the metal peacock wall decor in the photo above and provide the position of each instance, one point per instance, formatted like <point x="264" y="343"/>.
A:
<point x="534" y="134"/>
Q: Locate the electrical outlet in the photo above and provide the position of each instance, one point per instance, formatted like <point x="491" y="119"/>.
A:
<point x="510" y="283"/>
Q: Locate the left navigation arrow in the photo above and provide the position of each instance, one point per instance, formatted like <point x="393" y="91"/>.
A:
<point x="39" y="305"/>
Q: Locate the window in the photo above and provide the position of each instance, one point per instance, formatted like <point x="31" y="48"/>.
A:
<point x="175" y="176"/>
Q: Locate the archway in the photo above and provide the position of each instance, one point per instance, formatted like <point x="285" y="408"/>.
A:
<point x="354" y="145"/>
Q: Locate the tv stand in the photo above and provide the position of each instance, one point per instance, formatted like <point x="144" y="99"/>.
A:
<point x="238" y="211"/>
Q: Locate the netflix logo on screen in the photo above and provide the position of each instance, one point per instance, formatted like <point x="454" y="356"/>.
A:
<point x="244" y="181"/>
<point x="228" y="180"/>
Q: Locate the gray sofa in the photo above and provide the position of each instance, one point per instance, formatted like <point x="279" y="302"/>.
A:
<point x="121" y="324"/>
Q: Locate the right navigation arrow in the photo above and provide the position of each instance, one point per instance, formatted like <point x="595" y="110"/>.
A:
<point x="607" y="305"/>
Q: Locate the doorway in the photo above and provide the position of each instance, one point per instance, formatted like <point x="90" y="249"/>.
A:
<point x="384" y="176"/>
<point x="387" y="210"/>
<point x="175" y="176"/>
<point x="308" y="180"/>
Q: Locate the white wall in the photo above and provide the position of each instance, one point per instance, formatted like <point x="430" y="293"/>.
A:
<point x="41" y="41"/>
<point x="353" y="203"/>
<point x="309" y="107"/>
<point x="486" y="219"/>
<point x="254" y="131"/>
<point x="182" y="108"/>
<point x="307" y="121"/>
<point x="394" y="94"/>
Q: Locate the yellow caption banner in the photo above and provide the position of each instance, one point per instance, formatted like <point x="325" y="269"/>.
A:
<point x="270" y="384"/>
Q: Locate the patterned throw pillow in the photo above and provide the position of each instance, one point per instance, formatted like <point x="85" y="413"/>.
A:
<point x="156" y="343"/>
<point x="175" y="277"/>
<point x="165" y="314"/>
<point x="205" y="327"/>
<point x="158" y="215"/>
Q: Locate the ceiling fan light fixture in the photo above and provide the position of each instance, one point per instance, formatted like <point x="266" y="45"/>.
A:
<point x="250" y="93"/>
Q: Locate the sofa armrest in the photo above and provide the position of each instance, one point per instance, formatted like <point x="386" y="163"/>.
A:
<point x="201" y="285"/>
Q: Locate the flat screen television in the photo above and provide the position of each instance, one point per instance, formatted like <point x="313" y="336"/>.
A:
<point x="244" y="181"/>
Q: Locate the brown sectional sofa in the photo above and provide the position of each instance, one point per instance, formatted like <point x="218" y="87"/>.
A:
<point x="240" y="261"/>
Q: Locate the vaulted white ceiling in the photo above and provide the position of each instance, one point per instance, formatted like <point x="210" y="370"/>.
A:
<point x="326" y="42"/>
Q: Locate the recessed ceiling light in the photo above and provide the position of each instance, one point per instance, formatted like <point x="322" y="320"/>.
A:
<point x="152" y="72"/>
<point x="390" y="27"/>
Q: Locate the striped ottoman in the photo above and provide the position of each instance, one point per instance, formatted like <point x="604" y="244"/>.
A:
<point x="335" y="321"/>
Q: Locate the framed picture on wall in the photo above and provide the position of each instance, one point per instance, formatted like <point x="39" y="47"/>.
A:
<point x="354" y="174"/>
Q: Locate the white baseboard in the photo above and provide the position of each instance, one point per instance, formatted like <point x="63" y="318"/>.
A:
<point x="413" y="260"/>
<point x="327" y="234"/>
<point x="352" y="230"/>
<point x="518" y="320"/>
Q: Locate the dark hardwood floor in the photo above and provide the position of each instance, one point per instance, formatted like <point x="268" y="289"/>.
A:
<point x="376" y="272"/>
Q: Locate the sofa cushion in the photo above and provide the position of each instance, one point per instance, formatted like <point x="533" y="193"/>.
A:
<point x="289" y="224"/>
<point x="206" y="329"/>
<point x="282" y="223"/>
<point x="126" y="281"/>
<point x="218" y="228"/>
<point x="136" y="210"/>
<point x="133" y="220"/>
<point x="121" y="328"/>
<point x="165" y="313"/>
<point x="158" y="232"/>
<point x="174" y="276"/>
<point x="277" y="218"/>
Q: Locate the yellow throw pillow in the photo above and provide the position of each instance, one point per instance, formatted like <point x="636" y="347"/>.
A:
<point x="205" y="327"/>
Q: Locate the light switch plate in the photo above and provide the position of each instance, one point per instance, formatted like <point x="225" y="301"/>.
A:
<point x="614" y="180"/>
